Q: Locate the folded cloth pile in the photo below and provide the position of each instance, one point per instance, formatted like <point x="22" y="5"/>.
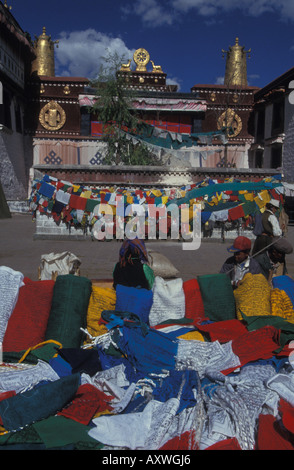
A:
<point x="186" y="366"/>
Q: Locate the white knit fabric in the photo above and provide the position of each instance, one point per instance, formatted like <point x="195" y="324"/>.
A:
<point x="168" y="300"/>
<point x="20" y="380"/>
<point x="10" y="283"/>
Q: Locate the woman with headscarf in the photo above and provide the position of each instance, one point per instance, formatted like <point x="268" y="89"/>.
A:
<point x="132" y="269"/>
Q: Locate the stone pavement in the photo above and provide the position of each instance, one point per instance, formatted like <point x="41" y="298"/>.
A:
<point x="21" y="252"/>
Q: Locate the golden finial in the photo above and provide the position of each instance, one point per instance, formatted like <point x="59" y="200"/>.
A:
<point x="44" y="49"/>
<point x="236" y="66"/>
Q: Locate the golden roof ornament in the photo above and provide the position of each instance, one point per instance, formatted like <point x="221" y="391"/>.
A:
<point x="236" y="65"/>
<point x="141" y="58"/>
<point x="44" y="64"/>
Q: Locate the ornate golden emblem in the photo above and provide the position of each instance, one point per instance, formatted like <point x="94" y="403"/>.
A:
<point x="231" y="121"/>
<point x="52" y="117"/>
<point x="141" y="59"/>
<point x="213" y="96"/>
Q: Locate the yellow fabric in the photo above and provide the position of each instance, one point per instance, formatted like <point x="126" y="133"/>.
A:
<point x="262" y="198"/>
<point x="281" y="305"/>
<point x="192" y="335"/>
<point x="252" y="296"/>
<point x="102" y="298"/>
<point x="86" y="194"/>
<point x="249" y="196"/>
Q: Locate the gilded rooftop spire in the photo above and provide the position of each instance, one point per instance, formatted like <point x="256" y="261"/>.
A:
<point x="236" y="65"/>
<point x="44" y="64"/>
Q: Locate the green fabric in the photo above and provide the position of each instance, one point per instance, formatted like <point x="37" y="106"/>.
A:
<point x="149" y="275"/>
<point x="28" y="435"/>
<point x="71" y="295"/>
<point x="213" y="188"/>
<point x="249" y="208"/>
<point x="218" y="296"/>
<point x="45" y="352"/>
<point x="38" y="403"/>
<point x="58" y="431"/>
<point x="286" y="328"/>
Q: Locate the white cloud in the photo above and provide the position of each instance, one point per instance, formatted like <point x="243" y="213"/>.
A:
<point x="152" y="12"/>
<point x="219" y="80"/>
<point x="160" y="12"/>
<point x="174" y="81"/>
<point x="80" y="53"/>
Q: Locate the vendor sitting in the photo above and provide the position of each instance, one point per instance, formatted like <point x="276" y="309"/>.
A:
<point x="240" y="263"/>
<point x="272" y="261"/>
<point x="132" y="269"/>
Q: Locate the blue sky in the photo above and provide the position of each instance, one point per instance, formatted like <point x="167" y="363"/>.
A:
<point x="185" y="37"/>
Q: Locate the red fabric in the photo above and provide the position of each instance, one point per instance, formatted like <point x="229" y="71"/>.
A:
<point x="86" y="403"/>
<point x="77" y="202"/>
<point x="254" y="345"/>
<point x="236" y="213"/>
<point x="28" y="322"/>
<point x="226" y="444"/>
<point x="287" y="412"/>
<point x="270" y="436"/>
<point x="224" y="331"/>
<point x="194" y="308"/>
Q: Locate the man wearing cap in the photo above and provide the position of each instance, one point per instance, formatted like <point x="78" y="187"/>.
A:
<point x="241" y="262"/>
<point x="270" y="226"/>
<point x="272" y="261"/>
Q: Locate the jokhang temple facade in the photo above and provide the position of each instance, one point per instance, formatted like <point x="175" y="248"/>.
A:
<point x="213" y="132"/>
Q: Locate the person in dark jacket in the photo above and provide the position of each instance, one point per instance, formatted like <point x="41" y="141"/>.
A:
<point x="241" y="262"/>
<point x="273" y="260"/>
<point x="270" y="227"/>
<point x="132" y="269"/>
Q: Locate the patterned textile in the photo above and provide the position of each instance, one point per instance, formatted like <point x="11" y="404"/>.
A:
<point x="234" y="408"/>
<point x="21" y="379"/>
<point x="218" y="297"/>
<point x="102" y="298"/>
<point x="281" y="305"/>
<point x="252" y="296"/>
<point x="205" y="357"/>
<point x="131" y="248"/>
<point x="10" y="283"/>
<point x="68" y="313"/>
<point x="285" y="283"/>
<point x="168" y="300"/>
<point x="28" y="322"/>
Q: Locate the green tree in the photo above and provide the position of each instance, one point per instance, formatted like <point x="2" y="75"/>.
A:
<point x="114" y="108"/>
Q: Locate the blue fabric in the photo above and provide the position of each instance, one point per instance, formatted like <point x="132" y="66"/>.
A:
<point x="61" y="367"/>
<point x="286" y="284"/>
<point x="151" y="352"/>
<point x="46" y="190"/>
<point x="170" y="387"/>
<point x="108" y="361"/>
<point x="134" y="300"/>
<point x="38" y="403"/>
